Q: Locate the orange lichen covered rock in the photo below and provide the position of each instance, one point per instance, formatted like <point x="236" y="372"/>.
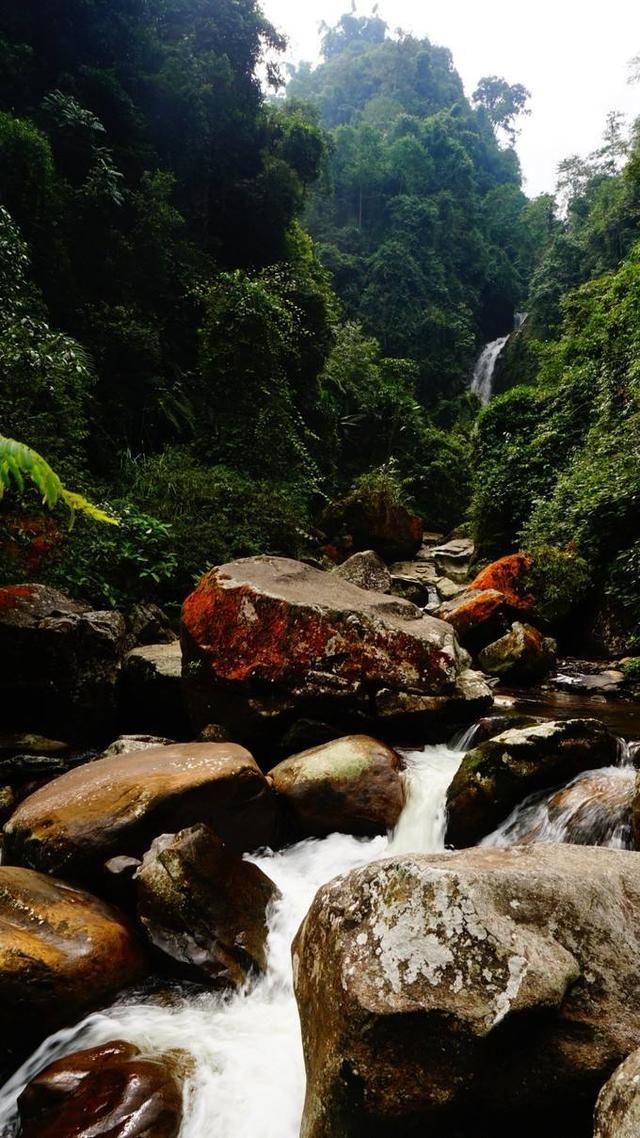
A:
<point x="509" y="576"/>
<point x="478" y="616"/>
<point x="267" y="638"/>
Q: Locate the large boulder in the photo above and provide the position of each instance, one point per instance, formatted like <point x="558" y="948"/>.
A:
<point x="367" y="570"/>
<point x="618" y="1107"/>
<point x="62" y="953"/>
<point x="453" y="559"/>
<point x="511" y="577"/>
<point x="118" y="805"/>
<point x="496" y="776"/>
<point x="350" y="786"/>
<point x="369" y="521"/>
<point x="522" y="656"/>
<point x="110" y="1091"/>
<point x="482" y="992"/>
<point x="478" y="617"/>
<point x="205" y="908"/>
<point x="59" y="663"/>
<point x="267" y="640"/>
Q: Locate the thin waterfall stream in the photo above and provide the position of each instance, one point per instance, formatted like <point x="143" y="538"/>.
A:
<point x="482" y="379"/>
<point x="247" y="1071"/>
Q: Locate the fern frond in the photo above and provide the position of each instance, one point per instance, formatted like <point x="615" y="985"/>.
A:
<point x="20" y="463"/>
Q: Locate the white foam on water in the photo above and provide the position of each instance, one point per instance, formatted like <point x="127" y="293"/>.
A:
<point x="248" y="1077"/>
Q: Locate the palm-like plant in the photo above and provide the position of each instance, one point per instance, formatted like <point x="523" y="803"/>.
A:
<point x="20" y="464"/>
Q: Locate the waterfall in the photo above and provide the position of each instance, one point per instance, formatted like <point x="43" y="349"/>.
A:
<point x="482" y="381"/>
<point x="248" y="1076"/>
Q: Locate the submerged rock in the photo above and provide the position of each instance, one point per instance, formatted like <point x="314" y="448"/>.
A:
<point x="118" y="805"/>
<point x="110" y="1091"/>
<point x="523" y="655"/>
<point x="618" y="1108"/>
<point x="59" y="662"/>
<point x="62" y="953"/>
<point x="496" y="776"/>
<point x="204" y="907"/>
<point x="366" y="570"/>
<point x="267" y="641"/>
<point x="493" y="985"/>
<point x="350" y="786"/>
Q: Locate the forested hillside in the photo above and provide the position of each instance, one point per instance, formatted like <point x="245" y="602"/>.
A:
<point x="557" y="458"/>
<point x="421" y="219"/>
<point x="229" y="303"/>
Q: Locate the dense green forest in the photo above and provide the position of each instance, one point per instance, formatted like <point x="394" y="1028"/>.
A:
<point x="227" y="302"/>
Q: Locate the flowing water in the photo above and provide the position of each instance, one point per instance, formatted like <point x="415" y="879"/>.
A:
<point x="247" y="1079"/>
<point x="594" y="809"/>
<point x="482" y="380"/>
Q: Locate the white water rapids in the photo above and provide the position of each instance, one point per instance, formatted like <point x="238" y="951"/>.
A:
<point x="248" y="1076"/>
<point x="482" y="380"/>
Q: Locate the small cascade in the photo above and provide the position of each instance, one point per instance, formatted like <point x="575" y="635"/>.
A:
<point x="595" y="809"/>
<point x="482" y="380"/>
<point x="248" y="1077"/>
<point x="520" y="318"/>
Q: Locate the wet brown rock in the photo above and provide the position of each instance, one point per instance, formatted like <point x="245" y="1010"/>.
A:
<point x="496" y="776"/>
<point x="523" y="655"/>
<point x="59" y="662"/>
<point x="62" y="953"/>
<point x="111" y="1091"/>
<point x="353" y="785"/>
<point x="618" y="1107"/>
<point x="267" y="641"/>
<point x="492" y="986"/>
<point x="366" y="570"/>
<point x="119" y="805"/>
<point x="204" y="907"/>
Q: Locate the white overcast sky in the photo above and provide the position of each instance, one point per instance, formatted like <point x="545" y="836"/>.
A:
<point x="571" y="54"/>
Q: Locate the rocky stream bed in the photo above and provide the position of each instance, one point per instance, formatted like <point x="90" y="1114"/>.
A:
<point x="354" y="855"/>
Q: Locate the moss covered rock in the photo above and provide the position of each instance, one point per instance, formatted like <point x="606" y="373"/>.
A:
<point x="496" y="776"/>
<point x="352" y="786"/>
